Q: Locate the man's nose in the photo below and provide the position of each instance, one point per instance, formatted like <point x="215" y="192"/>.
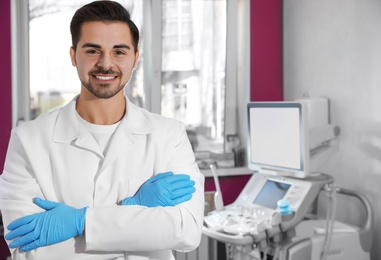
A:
<point x="105" y="61"/>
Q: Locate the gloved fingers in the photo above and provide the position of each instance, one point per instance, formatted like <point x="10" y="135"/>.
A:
<point x="181" y="184"/>
<point x="54" y="226"/>
<point x="182" y="192"/>
<point x="24" y="240"/>
<point x="45" y="204"/>
<point x="21" y="231"/>
<point x="162" y="190"/>
<point x="176" y="178"/>
<point x="160" y="176"/>
<point x="182" y="199"/>
<point x="21" y="221"/>
<point x="31" y="246"/>
<point x="164" y="202"/>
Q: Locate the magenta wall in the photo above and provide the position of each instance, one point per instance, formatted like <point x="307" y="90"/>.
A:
<point x="6" y="78"/>
<point x="6" y="92"/>
<point x="266" y="50"/>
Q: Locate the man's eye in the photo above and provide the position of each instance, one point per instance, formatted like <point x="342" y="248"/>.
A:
<point x="119" y="52"/>
<point x="91" y="51"/>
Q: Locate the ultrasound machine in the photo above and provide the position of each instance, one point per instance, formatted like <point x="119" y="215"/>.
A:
<point x="275" y="215"/>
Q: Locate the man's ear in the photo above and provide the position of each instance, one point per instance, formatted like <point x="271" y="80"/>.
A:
<point x="72" y="56"/>
<point x="137" y="55"/>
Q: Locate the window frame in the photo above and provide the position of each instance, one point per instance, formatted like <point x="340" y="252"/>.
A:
<point x="237" y="66"/>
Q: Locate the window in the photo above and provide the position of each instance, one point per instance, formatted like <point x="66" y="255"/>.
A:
<point x="193" y="69"/>
<point x="194" y="64"/>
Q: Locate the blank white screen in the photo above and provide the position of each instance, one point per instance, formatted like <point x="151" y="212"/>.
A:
<point x="275" y="136"/>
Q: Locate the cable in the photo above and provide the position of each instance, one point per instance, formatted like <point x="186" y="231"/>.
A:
<point x="331" y="215"/>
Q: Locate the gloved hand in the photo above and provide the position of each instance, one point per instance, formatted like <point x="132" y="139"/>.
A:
<point x="163" y="189"/>
<point x="58" y="223"/>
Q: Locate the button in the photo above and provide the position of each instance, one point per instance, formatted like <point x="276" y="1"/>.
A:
<point x="100" y="188"/>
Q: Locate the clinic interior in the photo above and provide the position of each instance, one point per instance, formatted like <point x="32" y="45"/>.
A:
<point x="273" y="51"/>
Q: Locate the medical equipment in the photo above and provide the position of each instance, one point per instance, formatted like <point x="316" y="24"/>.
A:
<point x="252" y="224"/>
<point x="289" y="138"/>
<point x="218" y="200"/>
<point x="285" y="148"/>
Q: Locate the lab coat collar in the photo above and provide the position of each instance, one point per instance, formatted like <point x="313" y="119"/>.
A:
<point x="68" y="128"/>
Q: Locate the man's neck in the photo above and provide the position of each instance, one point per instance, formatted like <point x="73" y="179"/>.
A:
<point x="101" y="111"/>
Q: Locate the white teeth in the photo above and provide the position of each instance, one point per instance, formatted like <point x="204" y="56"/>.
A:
<point x="105" y="77"/>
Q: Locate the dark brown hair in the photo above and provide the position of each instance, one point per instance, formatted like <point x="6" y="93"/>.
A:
<point x="107" y="11"/>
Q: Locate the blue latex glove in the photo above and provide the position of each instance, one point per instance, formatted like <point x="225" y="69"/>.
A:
<point x="163" y="189"/>
<point x="58" y="223"/>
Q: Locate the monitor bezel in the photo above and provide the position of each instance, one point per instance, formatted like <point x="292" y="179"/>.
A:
<point x="303" y="170"/>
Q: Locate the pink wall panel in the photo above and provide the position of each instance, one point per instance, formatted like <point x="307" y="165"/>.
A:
<point x="266" y="51"/>
<point x="6" y="79"/>
<point x="6" y="92"/>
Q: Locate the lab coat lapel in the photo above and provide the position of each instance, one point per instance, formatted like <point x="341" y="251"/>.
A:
<point x="86" y="141"/>
<point x="120" y="142"/>
<point x="68" y="129"/>
<point x="133" y="123"/>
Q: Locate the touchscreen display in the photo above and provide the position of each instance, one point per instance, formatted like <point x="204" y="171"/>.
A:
<point x="270" y="194"/>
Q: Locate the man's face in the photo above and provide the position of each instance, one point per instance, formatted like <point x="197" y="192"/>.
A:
<point x="105" y="58"/>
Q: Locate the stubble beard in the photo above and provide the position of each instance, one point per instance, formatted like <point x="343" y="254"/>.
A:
<point x="103" y="91"/>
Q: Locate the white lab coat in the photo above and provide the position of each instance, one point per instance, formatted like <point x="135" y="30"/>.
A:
<point x="54" y="157"/>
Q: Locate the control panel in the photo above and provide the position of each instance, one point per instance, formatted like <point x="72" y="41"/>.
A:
<point x="255" y="209"/>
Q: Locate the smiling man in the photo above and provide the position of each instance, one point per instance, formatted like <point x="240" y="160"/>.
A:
<point x="101" y="178"/>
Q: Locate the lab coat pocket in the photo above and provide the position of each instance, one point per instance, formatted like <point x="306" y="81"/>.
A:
<point x="134" y="185"/>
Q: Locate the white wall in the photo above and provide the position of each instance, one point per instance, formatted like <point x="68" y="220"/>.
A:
<point x="332" y="48"/>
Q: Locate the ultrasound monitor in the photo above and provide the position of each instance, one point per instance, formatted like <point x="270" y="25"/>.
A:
<point x="278" y="138"/>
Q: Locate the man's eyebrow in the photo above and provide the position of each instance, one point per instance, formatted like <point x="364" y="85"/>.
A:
<point x="97" y="46"/>
<point x="91" y="45"/>
<point x="122" y="46"/>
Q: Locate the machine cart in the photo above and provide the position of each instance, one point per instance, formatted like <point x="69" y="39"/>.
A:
<point x="252" y="227"/>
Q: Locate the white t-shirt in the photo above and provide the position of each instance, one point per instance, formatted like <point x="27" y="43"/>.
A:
<point x="101" y="133"/>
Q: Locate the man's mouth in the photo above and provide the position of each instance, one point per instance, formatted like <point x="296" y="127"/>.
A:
<point x="105" y="77"/>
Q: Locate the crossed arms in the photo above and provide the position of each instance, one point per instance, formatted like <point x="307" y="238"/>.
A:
<point x="60" y="222"/>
